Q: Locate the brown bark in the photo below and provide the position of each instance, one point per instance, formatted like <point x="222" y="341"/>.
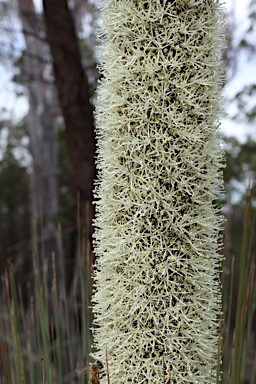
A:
<point x="74" y="98"/>
<point x="42" y="127"/>
<point x="42" y="116"/>
<point x="73" y="90"/>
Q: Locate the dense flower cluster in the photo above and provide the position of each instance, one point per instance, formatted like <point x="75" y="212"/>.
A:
<point x="157" y="293"/>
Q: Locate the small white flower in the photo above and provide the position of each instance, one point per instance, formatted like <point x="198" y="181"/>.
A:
<point x="157" y="296"/>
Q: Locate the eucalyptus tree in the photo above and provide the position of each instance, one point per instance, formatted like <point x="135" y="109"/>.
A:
<point x="157" y="299"/>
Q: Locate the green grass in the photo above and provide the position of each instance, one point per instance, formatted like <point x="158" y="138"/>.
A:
<point x="239" y="292"/>
<point x="44" y="345"/>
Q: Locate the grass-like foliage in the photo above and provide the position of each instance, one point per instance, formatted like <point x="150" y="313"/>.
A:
<point x="239" y="295"/>
<point x="42" y="343"/>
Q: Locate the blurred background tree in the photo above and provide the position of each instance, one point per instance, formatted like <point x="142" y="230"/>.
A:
<point x="54" y="69"/>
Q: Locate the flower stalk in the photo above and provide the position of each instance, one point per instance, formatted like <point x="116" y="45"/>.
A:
<point x="157" y="297"/>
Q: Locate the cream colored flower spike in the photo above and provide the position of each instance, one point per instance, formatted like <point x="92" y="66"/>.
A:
<point x="157" y="298"/>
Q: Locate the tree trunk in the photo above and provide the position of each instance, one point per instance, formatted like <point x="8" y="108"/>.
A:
<point x="73" y="91"/>
<point x="42" y="127"/>
<point x="74" y="97"/>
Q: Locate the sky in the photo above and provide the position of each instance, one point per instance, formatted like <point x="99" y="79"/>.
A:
<point x="245" y="75"/>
